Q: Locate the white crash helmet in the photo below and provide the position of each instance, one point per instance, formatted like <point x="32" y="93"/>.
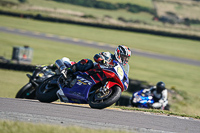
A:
<point x="107" y="56"/>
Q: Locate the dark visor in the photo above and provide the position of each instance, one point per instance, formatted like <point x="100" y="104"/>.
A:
<point x="125" y="58"/>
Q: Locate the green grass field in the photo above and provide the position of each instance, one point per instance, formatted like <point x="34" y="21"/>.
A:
<point x="22" y="127"/>
<point x="144" y="3"/>
<point x="182" y="9"/>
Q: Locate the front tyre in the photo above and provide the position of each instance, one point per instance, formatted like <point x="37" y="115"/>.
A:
<point x="27" y="91"/>
<point x="113" y="97"/>
<point x="46" y="92"/>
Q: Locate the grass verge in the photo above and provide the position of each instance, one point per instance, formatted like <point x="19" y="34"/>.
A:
<point x="22" y="127"/>
<point x="155" y="111"/>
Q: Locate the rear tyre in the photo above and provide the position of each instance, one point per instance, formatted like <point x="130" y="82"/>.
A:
<point x="28" y="92"/>
<point x="108" y="101"/>
<point x="47" y="92"/>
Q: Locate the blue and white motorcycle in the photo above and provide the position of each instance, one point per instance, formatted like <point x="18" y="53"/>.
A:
<point x="100" y="87"/>
<point x="142" y="99"/>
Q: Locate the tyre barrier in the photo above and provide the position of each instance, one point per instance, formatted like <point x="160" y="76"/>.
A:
<point x="17" y="67"/>
<point x="123" y="101"/>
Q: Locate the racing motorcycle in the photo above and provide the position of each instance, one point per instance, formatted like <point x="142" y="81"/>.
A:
<point x="144" y="99"/>
<point x="100" y="87"/>
<point x="39" y="74"/>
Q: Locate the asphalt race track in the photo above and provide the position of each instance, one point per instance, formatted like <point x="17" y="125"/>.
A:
<point x="95" y="45"/>
<point x="82" y="115"/>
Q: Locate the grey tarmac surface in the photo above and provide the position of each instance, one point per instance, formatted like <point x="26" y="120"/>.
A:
<point x="82" y="115"/>
<point x="95" y="45"/>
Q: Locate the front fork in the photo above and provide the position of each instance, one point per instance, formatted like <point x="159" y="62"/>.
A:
<point x="61" y="83"/>
<point x="104" y="88"/>
<point x="104" y="91"/>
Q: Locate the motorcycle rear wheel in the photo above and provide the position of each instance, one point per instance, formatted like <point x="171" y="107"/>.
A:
<point x="50" y="95"/>
<point x="113" y="98"/>
<point x="27" y="91"/>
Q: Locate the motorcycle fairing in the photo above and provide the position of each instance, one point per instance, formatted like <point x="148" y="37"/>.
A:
<point x="79" y="92"/>
<point x="86" y="80"/>
<point x="143" y="98"/>
<point x="100" y="75"/>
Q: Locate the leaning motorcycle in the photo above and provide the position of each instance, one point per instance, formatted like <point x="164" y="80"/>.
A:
<point x="144" y="99"/>
<point x="39" y="74"/>
<point x="100" y="87"/>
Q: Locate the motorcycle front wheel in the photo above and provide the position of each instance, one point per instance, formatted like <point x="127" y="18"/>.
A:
<point x="113" y="97"/>
<point x="46" y="92"/>
<point x="27" y="91"/>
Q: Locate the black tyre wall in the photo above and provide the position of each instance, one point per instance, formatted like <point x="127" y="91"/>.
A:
<point x="18" y="67"/>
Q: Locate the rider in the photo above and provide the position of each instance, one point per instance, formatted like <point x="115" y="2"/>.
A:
<point x="122" y="55"/>
<point x="159" y="93"/>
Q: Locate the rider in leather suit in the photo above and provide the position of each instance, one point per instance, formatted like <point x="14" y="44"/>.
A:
<point x="159" y="93"/>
